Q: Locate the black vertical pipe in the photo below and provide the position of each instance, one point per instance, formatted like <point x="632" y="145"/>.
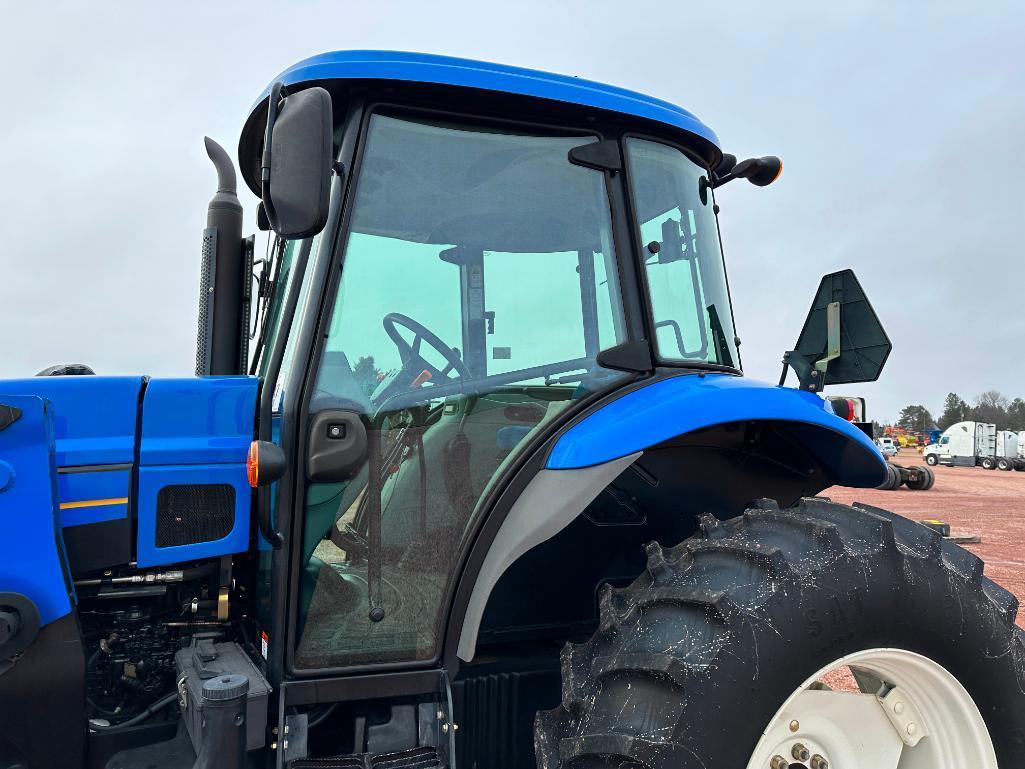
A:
<point x="223" y="741"/>
<point x="221" y="314"/>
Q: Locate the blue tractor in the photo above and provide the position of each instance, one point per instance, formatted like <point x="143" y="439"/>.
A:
<point x="469" y="475"/>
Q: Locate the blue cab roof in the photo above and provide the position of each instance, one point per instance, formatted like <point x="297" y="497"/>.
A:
<point x="468" y="73"/>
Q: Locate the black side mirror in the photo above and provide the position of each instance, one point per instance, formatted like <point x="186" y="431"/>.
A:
<point x="295" y="172"/>
<point x="842" y="340"/>
<point x="761" y="172"/>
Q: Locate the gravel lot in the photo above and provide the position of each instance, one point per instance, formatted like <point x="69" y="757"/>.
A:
<point x="990" y="503"/>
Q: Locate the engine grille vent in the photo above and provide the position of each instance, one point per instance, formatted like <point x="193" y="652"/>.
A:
<point x="191" y="513"/>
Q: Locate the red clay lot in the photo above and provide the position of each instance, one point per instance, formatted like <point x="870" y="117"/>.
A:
<point x="990" y="503"/>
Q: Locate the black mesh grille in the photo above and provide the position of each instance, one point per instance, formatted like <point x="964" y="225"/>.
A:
<point x="207" y="277"/>
<point x="193" y="513"/>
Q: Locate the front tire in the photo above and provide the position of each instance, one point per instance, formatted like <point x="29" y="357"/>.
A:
<point x="694" y="659"/>
<point x="931" y="460"/>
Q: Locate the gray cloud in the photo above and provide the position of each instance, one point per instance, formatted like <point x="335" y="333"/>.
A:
<point x="899" y="128"/>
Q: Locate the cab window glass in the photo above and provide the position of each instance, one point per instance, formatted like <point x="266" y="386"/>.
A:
<point x="478" y="285"/>
<point x="683" y="261"/>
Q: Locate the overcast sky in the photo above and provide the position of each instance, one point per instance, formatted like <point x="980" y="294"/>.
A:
<point x="901" y="128"/>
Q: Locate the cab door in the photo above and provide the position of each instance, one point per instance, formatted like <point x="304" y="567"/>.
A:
<point x="478" y="282"/>
<point x="41" y="660"/>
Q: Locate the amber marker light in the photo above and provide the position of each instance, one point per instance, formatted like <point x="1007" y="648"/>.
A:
<point x="265" y="463"/>
<point x="253" y="464"/>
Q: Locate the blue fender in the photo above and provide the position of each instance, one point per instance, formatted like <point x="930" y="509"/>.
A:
<point x="667" y="408"/>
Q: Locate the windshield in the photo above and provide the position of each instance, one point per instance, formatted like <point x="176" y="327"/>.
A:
<point x="478" y="285"/>
<point x="684" y="270"/>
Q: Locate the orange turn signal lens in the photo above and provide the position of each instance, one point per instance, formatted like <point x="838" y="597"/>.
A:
<point x="265" y="463"/>
<point x="253" y="464"/>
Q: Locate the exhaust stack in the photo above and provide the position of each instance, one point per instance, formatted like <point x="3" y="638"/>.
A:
<point x="221" y="346"/>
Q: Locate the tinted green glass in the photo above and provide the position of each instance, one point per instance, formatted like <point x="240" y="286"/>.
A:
<point x="683" y="260"/>
<point x="478" y="285"/>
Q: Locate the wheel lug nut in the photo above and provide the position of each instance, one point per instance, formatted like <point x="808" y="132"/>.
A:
<point x="794" y="726"/>
<point x="778" y="762"/>
<point x="800" y="752"/>
<point x="818" y="762"/>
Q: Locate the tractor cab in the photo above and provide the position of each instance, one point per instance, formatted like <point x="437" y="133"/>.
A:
<point x="497" y="265"/>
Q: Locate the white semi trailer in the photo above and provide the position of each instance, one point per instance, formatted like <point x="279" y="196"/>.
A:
<point x="1009" y="451"/>
<point x="965" y="444"/>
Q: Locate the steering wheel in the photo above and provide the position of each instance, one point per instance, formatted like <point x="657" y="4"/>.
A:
<point x="408" y="351"/>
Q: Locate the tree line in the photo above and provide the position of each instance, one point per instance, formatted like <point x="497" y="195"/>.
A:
<point x="990" y="406"/>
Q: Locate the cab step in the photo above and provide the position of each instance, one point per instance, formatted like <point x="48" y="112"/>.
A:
<point x="426" y="757"/>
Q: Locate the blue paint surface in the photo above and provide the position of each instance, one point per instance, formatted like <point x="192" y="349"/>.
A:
<point x="153" y="479"/>
<point x="664" y="409"/>
<point x="468" y="73"/>
<point x="32" y="558"/>
<point x="94" y="416"/>
<point x="195" y="431"/>
<point x="92" y="486"/>
<point x="207" y="420"/>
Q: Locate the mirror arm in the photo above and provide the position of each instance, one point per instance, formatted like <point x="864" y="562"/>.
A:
<point x="277" y="92"/>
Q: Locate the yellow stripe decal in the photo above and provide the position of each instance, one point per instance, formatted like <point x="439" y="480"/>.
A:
<point x="94" y="503"/>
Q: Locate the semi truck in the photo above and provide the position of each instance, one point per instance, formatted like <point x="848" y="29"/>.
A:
<point x="975" y="444"/>
<point x="490" y="488"/>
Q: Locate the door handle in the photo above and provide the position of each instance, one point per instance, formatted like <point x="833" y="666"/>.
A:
<point x="337" y="446"/>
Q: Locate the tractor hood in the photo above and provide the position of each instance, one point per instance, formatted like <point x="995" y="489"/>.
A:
<point x="148" y="470"/>
<point x="658" y="412"/>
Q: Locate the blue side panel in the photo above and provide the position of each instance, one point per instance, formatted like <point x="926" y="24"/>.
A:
<point x="92" y="497"/>
<point x="94" y="416"/>
<point x="662" y="410"/>
<point x="198" y="421"/>
<point x="195" y="432"/>
<point x="153" y="479"/>
<point x="447" y="70"/>
<point x="32" y="559"/>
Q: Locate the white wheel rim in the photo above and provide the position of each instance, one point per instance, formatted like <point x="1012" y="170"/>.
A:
<point x="862" y="731"/>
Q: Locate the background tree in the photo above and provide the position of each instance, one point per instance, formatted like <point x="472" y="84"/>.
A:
<point x="916" y="419"/>
<point x="1016" y="415"/>
<point x="954" y="410"/>
<point x="366" y="374"/>
<point x="990" y="406"/>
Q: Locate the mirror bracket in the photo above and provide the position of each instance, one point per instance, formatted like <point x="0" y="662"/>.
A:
<point x="808" y="377"/>
<point x="277" y="93"/>
<point x="832" y="337"/>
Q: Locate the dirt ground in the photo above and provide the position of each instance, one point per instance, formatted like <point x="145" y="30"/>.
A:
<point x="990" y="503"/>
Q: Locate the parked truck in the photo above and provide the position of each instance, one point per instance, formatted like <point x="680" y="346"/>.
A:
<point x="965" y="444"/>
<point x="490" y="489"/>
<point x="971" y="444"/>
